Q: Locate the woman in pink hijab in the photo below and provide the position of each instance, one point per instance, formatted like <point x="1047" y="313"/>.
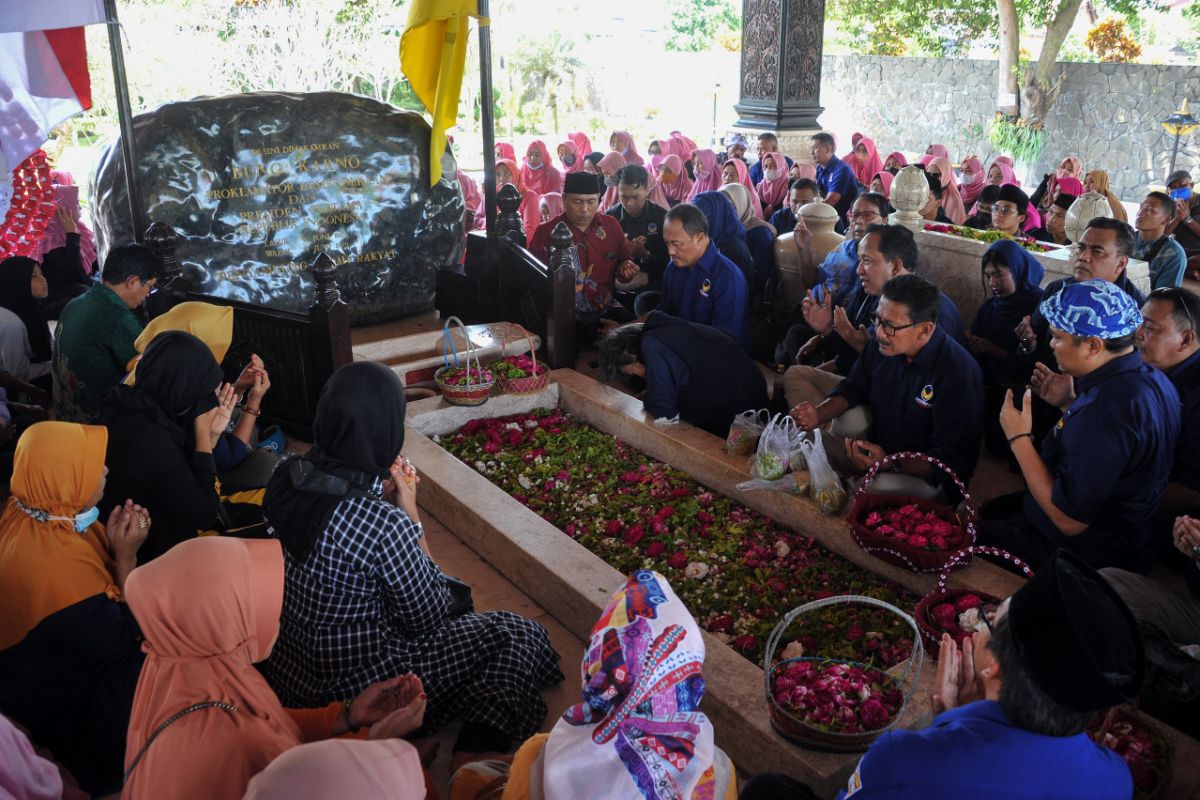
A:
<point x="621" y="142"/>
<point x="55" y="235"/>
<point x="895" y="161"/>
<point x="952" y="202"/>
<point x="505" y="150"/>
<point x="470" y="191"/>
<point x="735" y="171"/>
<point x="538" y="172"/>
<point x="802" y="169"/>
<point x="550" y="206"/>
<point x="570" y="157"/>
<point x="855" y="138"/>
<point x="610" y="165"/>
<point x="881" y="183"/>
<point x="1001" y="172"/>
<point x="682" y="146"/>
<point x="707" y="171"/>
<point x="531" y="215"/>
<point x="67" y="249"/>
<point x="1068" y="184"/>
<point x="973" y="180"/>
<point x="659" y="147"/>
<point x="1071" y="167"/>
<point x="865" y="162"/>
<point x="583" y="145"/>
<point x="673" y="178"/>
<point x="938" y="151"/>
<point x="773" y="190"/>
<point x="657" y="195"/>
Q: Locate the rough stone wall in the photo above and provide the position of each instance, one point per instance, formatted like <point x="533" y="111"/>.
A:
<point x="1107" y="114"/>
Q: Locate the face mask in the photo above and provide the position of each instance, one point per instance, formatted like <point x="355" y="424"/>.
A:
<point x="610" y="182"/>
<point x="668" y="177"/>
<point x="967" y="177"/>
<point x="569" y="159"/>
<point x="533" y="166"/>
<point x="701" y="172"/>
<point x="84" y="519"/>
<point x="771" y="174"/>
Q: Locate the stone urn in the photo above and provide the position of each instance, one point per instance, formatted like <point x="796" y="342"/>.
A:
<point x="820" y="219"/>
<point x="910" y="192"/>
<point x="794" y="280"/>
<point x="1085" y="208"/>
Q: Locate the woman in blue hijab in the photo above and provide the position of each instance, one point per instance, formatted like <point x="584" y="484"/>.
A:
<point x="1012" y="279"/>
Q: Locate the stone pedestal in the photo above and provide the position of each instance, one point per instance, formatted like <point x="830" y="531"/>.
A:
<point x="781" y="65"/>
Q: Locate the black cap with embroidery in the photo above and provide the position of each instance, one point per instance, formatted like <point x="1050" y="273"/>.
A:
<point x="1076" y="636"/>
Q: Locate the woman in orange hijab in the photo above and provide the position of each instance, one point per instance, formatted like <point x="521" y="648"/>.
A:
<point x="204" y="719"/>
<point x="69" y="649"/>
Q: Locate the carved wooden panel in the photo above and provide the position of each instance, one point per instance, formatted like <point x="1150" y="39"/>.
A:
<point x="805" y="25"/>
<point x="760" y="48"/>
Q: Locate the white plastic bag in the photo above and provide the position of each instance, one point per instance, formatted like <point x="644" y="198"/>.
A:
<point x="825" y="486"/>
<point x="775" y="447"/>
<point x="745" y="431"/>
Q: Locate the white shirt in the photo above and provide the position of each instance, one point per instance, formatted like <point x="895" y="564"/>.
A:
<point x="15" y="350"/>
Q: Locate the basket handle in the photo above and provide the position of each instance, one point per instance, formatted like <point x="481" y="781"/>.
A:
<point x="917" y="656"/>
<point x="470" y="349"/>
<point x="909" y="456"/>
<point x="980" y="549"/>
<point x="504" y="336"/>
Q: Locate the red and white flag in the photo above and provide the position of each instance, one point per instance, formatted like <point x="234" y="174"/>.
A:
<point x="43" y="71"/>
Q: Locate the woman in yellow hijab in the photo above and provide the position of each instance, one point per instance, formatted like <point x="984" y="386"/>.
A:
<point x="70" y="650"/>
<point x="241" y="466"/>
<point x="1097" y="181"/>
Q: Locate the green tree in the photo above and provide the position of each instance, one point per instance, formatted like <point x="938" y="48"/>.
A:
<point x="699" y="25"/>
<point x="547" y="68"/>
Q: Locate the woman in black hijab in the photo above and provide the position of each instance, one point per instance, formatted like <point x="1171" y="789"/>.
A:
<point x="160" y="437"/>
<point x="26" y="355"/>
<point x="363" y="599"/>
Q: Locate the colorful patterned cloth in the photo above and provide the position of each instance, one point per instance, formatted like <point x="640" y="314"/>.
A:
<point x="638" y="731"/>
<point x="1093" y="308"/>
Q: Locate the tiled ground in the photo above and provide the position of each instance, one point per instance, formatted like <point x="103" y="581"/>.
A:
<point x="493" y="592"/>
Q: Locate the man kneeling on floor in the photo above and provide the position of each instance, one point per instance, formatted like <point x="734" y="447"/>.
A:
<point x="913" y="389"/>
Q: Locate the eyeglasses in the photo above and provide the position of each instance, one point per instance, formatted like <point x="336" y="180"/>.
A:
<point x="1003" y="208"/>
<point x="853" y="215"/>
<point x="1176" y="297"/>
<point x="890" y="329"/>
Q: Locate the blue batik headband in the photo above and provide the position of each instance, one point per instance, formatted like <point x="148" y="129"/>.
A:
<point x="1093" y="308"/>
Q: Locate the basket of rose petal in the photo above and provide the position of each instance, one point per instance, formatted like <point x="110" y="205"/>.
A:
<point x="959" y="612"/>
<point x="520" y="374"/>
<point x="911" y="532"/>
<point x="1148" y="752"/>
<point x="465" y="384"/>
<point x="831" y="703"/>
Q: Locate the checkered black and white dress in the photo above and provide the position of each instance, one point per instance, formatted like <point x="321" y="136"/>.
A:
<point x="368" y="604"/>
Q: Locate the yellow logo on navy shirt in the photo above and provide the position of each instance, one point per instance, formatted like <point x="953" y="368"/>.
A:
<point x="705" y="287"/>
<point x="652" y="228"/>
<point x="1061" y="420"/>
<point x="925" y="396"/>
<point x="854" y="785"/>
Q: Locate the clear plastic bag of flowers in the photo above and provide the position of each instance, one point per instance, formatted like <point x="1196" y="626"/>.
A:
<point x="775" y="446"/>
<point x="745" y="431"/>
<point x="825" y="487"/>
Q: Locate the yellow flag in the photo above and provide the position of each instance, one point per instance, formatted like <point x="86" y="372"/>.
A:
<point x="433" y="52"/>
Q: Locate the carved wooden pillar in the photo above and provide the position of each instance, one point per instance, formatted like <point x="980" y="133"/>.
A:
<point x="162" y="240"/>
<point x="781" y="64"/>
<point x="560" y="323"/>
<point x="508" y="222"/>
<point x="330" y="324"/>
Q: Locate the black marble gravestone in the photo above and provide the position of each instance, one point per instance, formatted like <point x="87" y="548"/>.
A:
<point x="258" y="184"/>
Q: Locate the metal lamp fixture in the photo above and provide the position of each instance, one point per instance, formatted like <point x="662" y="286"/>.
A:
<point x="1181" y="123"/>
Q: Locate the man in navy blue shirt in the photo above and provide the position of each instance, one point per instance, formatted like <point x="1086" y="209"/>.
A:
<point x="701" y="285"/>
<point x="1168" y="341"/>
<point x="924" y="390"/>
<point x="801" y="192"/>
<point x="1098" y="478"/>
<point x="835" y="179"/>
<point x="1013" y="704"/>
<point x="767" y="143"/>
<point x="884" y="252"/>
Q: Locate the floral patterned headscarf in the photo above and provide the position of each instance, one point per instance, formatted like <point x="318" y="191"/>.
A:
<point x="638" y="732"/>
